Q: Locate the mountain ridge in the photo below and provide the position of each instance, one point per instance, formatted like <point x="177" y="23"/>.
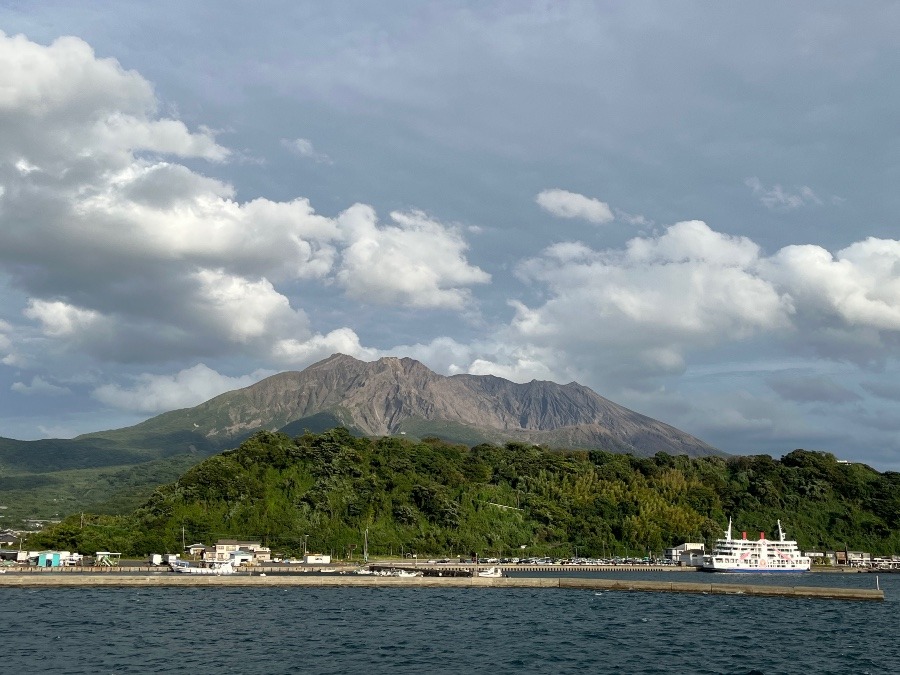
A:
<point x="393" y="395"/>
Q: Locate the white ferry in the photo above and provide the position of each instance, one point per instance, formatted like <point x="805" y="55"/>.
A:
<point x="764" y="555"/>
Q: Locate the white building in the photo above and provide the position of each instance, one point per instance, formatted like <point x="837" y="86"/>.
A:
<point x="225" y="550"/>
<point x="688" y="554"/>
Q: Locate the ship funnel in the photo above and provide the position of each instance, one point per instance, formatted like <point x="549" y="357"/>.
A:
<point x="762" y="535"/>
<point x="743" y="535"/>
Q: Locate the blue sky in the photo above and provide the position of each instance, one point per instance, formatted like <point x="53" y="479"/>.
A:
<point x="690" y="208"/>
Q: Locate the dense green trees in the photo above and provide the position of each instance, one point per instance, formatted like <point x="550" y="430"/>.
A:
<point x="434" y="498"/>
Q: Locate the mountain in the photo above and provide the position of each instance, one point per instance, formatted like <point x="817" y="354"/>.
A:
<point x="395" y="396"/>
<point x="391" y="396"/>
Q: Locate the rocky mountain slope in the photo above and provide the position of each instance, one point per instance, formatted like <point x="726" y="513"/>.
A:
<point x="402" y="396"/>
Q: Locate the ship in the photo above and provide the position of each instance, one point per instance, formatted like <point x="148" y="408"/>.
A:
<point x="762" y="555"/>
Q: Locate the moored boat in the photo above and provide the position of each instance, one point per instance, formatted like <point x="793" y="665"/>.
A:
<point x="184" y="567"/>
<point x="492" y="572"/>
<point x="762" y="555"/>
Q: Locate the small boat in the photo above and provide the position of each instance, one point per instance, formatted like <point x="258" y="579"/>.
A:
<point x="406" y="574"/>
<point x="491" y="572"/>
<point x="216" y="568"/>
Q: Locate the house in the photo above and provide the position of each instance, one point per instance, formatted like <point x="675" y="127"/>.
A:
<point x="859" y="559"/>
<point x="8" y="539"/>
<point x="195" y="550"/>
<point x="688" y="554"/>
<point x="821" y="558"/>
<point x="224" y="550"/>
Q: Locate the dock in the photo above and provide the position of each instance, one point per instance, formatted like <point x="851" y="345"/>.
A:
<point x="168" y="579"/>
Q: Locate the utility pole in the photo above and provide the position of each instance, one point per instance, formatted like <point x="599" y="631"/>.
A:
<point x="366" y="546"/>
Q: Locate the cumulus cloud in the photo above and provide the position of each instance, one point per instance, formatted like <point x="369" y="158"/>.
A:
<point x="415" y="262"/>
<point x="150" y="394"/>
<point x="304" y="148"/>
<point x="343" y="340"/>
<point x="127" y="254"/>
<point x="641" y="310"/>
<point x="39" y="386"/>
<point x="46" y="93"/>
<point x="565" y="204"/>
<point x="62" y="319"/>
<point x="777" y="198"/>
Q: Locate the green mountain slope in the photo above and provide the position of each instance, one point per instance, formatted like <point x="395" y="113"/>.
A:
<point x="436" y="498"/>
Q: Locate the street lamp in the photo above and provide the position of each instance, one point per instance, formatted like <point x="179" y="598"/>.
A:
<point x="305" y="537"/>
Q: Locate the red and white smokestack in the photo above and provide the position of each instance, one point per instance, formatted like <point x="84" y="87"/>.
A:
<point x="743" y="535"/>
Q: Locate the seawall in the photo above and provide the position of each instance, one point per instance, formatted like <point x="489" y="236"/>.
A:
<point x="168" y="579"/>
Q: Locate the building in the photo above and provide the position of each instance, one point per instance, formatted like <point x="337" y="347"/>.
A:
<point x="195" y="550"/>
<point x="13" y="555"/>
<point x="316" y="559"/>
<point x="688" y="554"/>
<point x="53" y="558"/>
<point x="859" y="559"/>
<point x="227" y="549"/>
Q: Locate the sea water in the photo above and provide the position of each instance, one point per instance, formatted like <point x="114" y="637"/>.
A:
<point x="458" y="630"/>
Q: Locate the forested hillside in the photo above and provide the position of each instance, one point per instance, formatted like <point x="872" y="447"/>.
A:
<point x="435" y="498"/>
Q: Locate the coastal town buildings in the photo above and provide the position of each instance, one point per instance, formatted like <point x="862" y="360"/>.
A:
<point x="230" y="549"/>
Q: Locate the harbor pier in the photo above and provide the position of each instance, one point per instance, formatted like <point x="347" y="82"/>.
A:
<point x="164" y="579"/>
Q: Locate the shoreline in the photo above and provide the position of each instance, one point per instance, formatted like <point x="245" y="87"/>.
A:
<point x="167" y="579"/>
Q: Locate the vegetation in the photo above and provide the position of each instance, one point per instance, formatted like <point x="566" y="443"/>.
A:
<point x="438" y="499"/>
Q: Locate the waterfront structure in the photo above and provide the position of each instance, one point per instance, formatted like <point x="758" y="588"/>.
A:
<point x="689" y="554"/>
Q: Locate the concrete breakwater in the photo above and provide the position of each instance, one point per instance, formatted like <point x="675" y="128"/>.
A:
<point x="255" y="580"/>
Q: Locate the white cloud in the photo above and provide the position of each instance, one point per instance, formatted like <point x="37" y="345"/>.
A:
<point x="565" y="204"/>
<point x="777" y="198"/>
<point x="151" y="394"/>
<point x="62" y="319"/>
<point x="859" y="286"/>
<point x="645" y="309"/>
<point x="60" y="101"/>
<point x="416" y="262"/>
<point x="39" y="386"/>
<point x="304" y="148"/>
<point x="130" y="257"/>
<point x="295" y="352"/>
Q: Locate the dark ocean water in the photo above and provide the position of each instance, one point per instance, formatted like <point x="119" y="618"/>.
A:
<point x="423" y="630"/>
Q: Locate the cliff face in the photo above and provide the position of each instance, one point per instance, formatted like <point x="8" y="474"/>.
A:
<point x="396" y="395"/>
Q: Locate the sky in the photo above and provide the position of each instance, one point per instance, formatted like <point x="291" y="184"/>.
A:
<point x="689" y="207"/>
